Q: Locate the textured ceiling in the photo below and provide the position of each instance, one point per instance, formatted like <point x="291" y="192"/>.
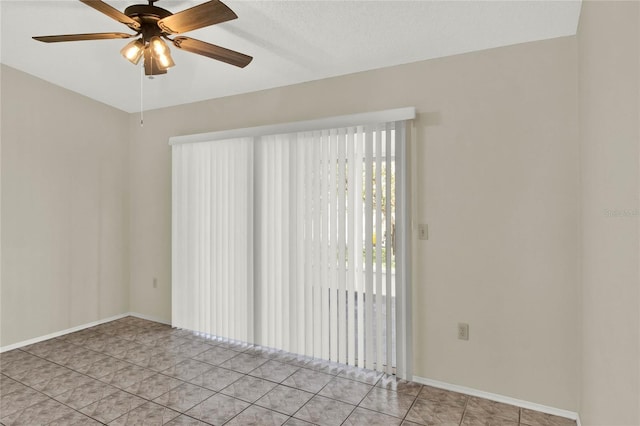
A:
<point x="291" y="42"/>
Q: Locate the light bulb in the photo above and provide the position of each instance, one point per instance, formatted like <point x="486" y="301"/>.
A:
<point x="165" y="61"/>
<point x="151" y="63"/>
<point x="158" y="46"/>
<point x="161" y="53"/>
<point x="133" y="51"/>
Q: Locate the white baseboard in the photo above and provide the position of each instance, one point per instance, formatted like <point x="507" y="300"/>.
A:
<point x="149" y="318"/>
<point x="78" y="328"/>
<point x="499" y="398"/>
<point x="60" y="333"/>
<point x="578" y="422"/>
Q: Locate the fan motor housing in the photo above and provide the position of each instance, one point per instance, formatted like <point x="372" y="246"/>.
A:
<point x="148" y="16"/>
<point x="146" y="13"/>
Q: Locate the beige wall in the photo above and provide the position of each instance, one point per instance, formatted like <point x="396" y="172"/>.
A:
<point x="497" y="181"/>
<point x="609" y="48"/>
<point x="64" y="209"/>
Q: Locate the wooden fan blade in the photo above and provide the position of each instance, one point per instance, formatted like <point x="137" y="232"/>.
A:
<point x="112" y="13"/>
<point x="210" y="13"/>
<point x="81" y="37"/>
<point x="212" y="51"/>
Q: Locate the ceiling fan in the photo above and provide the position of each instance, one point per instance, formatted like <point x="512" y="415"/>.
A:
<point x="153" y="25"/>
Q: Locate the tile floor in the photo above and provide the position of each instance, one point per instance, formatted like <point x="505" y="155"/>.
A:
<point x="137" y="372"/>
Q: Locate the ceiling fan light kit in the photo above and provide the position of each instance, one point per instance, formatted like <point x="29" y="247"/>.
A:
<point x="153" y="25"/>
<point x="133" y="51"/>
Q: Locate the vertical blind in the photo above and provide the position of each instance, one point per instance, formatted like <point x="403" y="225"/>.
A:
<point x="295" y="241"/>
<point x="212" y="254"/>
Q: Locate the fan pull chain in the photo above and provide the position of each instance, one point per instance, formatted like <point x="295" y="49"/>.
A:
<point x="141" y="95"/>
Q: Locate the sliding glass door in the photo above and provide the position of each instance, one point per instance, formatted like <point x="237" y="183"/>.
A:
<point x="295" y="241"/>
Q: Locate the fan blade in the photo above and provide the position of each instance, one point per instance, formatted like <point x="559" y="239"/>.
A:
<point x="210" y="13"/>
<point x="112" y="12"/>
<point x="81" y="37"/>
<point x="212" y="51"/>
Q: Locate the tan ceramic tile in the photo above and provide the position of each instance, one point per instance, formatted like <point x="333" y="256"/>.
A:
<point x="104" y="367"/>
<point x="297" y="422"/>
<point x="218" y="409"/>
<point x="284" y="399"/>
<point x="74" y="418"/>
<point x="154" y="386"/>
<point x="428" y="412"/>
<point x="327" y="367"/>
<point x="149" y="336"/>
<point x="13" y="358"/>
<point x="274" y="371"/>
<point x="369" y="377"/>
<point x="148" y="414"/>
<point x="19" y="400"/>
<point x="388" y="402"/>
<point x="163" y="361"/>
<point x="8" y="385"/>
<point x="127" y="333"/>
<point x="20" y="366"/>
<point x="41" y="413"/>
<point x="535" y="418"/>
<point x="265" y="353"/>
<point x="187" y="370"/>
<point x="281" y="356"/>
<point x="183" y="397"/>
<point x="216" y="355"/>
<point x="258" y="416"/>
<point x="42" y="372"/>
<point x="391" y="382"/>
<point x="364" y="417"/>
<point x="300" y="360"/>
<point x="113" y="406"/>
<point x="83" y="361"/>
<point x="187" y="334"/>
<point x="190" y="349"/>
<point x="216" y="378"/>
<point x="484" y="408"/>
<point x="248" y="388"/>
<point x="308" y="380"/>
<point x="443" y="396"/>
<point x="86" y="394"/>
<point x="127" y="376"/>
<point x="140" y="355"/>
<point x="100" y="342"/>
<point x="169" y="341"/>
<point x="243" y="363"/>
<point x="47" y="347"/>
<point x="346" y="390"/>
<point x="236" y="346"/>
<point x="62" y="356"/>
<point x="119" y="348"/>
<point x="482" y="420"/>
<point x="80" y="337"/>
<point x="324" y="411"/>
<point x="184" y="420"/>
<point x="63" y="383"/>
